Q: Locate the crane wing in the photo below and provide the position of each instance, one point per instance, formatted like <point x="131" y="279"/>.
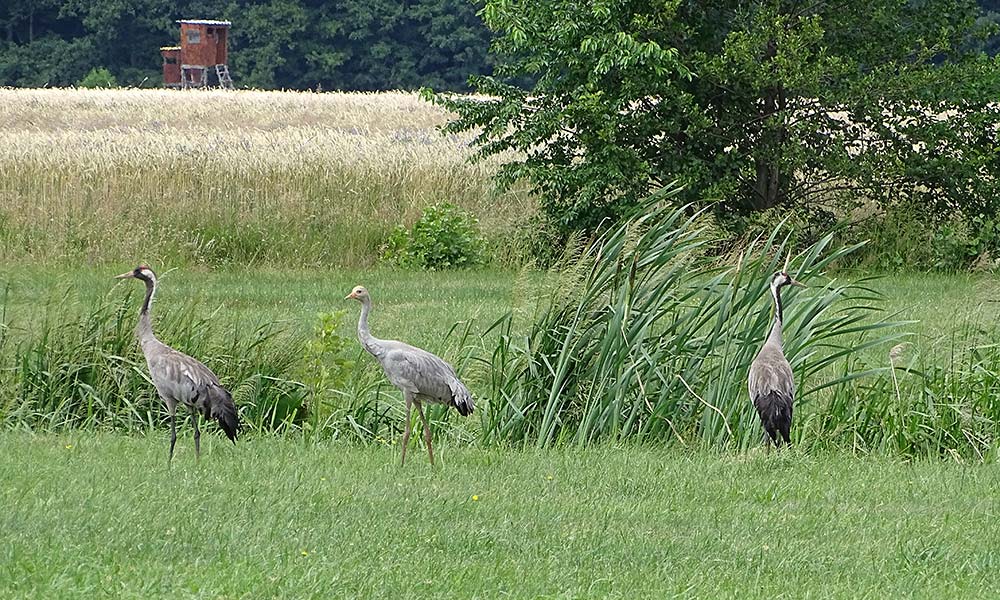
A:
<point x="179" y="377"/>
<point x="418" y="371"/>
<point x="770" y="372"/>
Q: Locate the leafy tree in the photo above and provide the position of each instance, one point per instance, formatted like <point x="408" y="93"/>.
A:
<point x="271" y="31"/>
<point x="752" y="104"/>
<point x="298" y="44"/>
<point x="98" y="78"/>
<point x="47" y="60"/>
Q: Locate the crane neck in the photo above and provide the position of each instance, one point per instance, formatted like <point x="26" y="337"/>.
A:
<point x="364" y="335"/>
<point x="144" y="330"/>
<point x="775" y="334"/>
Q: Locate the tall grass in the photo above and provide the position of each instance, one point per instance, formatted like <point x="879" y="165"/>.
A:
<point x="246" y="178"/>
<point x="657" y="354"/>
<point x="83" y="369"/>
<point x="927" y="403"/>
<point x="646" y="337"/>
<point x="73" y="367"/>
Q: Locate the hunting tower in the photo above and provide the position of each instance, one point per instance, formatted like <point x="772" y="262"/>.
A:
<point x="203" y="50"/>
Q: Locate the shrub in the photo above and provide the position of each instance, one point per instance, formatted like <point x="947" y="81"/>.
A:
<point x="98" y="77"/>
<point x="326" y="363"/>
<point x="445" y="237"/>
<point x="907" y="237"/>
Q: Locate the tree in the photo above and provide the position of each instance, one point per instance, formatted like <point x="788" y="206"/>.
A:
<point x="298" y="44"/>
<point x="751" y="104"/>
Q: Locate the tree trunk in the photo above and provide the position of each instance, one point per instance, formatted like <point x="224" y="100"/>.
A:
<point x="770" y="186"/>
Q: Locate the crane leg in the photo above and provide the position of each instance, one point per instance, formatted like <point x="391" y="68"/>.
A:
<point x="197" y="435"/>
<point x="427" y="431"/>
<point x="406" y="432"/>
<point x="173" y="431"/>
<point x="769" y="441"/>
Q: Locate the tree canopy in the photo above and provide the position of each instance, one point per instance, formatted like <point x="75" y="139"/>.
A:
<point x="292" y="44"/>
<point x="814" y="105"/>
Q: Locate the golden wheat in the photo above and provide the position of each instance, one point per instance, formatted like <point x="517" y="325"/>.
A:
<point x="214" y="176"/>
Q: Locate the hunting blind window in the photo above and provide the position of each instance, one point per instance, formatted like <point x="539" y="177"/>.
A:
<point x="194" y="36"/>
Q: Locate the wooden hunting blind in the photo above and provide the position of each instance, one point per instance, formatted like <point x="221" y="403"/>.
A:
<point x="171" y="65"/>
<point x="203" y="51"/>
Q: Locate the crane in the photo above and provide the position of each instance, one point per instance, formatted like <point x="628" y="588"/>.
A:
<point x="770" y="381"/>
<point x="178" y="378"/>
<point x="420" y="375"/>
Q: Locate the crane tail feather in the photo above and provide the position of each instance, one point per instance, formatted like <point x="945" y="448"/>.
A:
<point x="461" y="398"/>
<point x="775" y="411"/>
<point x="224" y="411"/>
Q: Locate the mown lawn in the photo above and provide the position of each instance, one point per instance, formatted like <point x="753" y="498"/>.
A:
<point x="100" y="515"/>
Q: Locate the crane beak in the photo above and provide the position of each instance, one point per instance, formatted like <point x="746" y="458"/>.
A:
<point x="349" y="296"/>
<point x="124" y="275"/>
<point x="797" y="283"/>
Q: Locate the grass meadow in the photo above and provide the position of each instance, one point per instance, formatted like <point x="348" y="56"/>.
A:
<point x="90" y="516"/>
<point x="261" y="210"/>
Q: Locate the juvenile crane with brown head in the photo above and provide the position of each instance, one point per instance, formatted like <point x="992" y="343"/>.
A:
<point x="420" y="375"/>
<point x="178" y="378"/>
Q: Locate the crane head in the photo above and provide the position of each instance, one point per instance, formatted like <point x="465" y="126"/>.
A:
<point x="782" y="278"/>
<point x="141" y="272"/>
<point x="358" y="293"/>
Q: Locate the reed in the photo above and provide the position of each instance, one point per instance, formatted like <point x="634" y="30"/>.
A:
<point x="645" y="336"/>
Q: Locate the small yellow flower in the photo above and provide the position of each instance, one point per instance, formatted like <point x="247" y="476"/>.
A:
<point x="322" y="478"/>
<point x="549" y="477"/>
<point x="69" y="446"/>
<point x="475" y="498"/>
<point x="305" y="553"/>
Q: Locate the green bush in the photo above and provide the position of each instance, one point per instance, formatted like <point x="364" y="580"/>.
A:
<point x="908" y="237"/>
<point x="445" y="237"/>
<point x="98" y="77"/>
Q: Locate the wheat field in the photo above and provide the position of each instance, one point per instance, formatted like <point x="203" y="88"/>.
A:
<point x="223" y="177"/>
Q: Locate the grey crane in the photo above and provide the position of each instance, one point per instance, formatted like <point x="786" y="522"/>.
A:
<point x="770" y="381"/>
<point x="178" y="377"/>
<point x="420" y="375"/>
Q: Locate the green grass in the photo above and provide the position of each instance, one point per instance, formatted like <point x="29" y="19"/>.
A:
<point x="65" y="365"/>
<point x="102" y="516"/>
<point x="417" y="307"/>
<point x="421" y="306"/>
